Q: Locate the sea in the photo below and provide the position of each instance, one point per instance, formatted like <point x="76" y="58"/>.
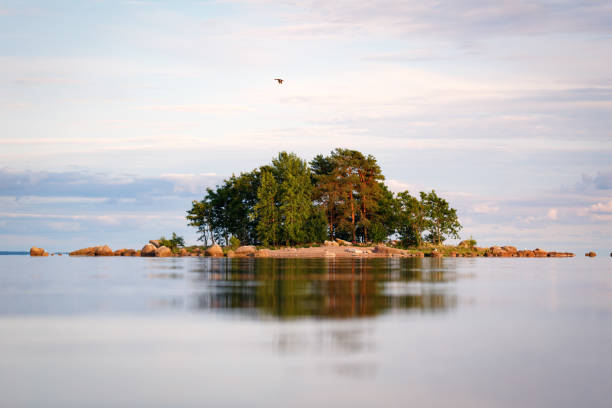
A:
<point x="203" y="332"/>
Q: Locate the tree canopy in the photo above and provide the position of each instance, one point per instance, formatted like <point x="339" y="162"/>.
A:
<point x="341" y="195"/>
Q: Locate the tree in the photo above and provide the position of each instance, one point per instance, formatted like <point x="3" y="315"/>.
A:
<point x="442" y="221"/>
<point x="326" y="189"/>
<point x="383" y="217"/>
<point x="347" y="186"/>
<point x="294" y="196"/>
<point x="266" y="210"/>
<point x="200" y="216"/>
<point x="411" y="220"/>
<point x="369" y="189"/>
<point x="173" y="243"/>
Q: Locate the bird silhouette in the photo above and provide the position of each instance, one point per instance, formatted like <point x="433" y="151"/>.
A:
<point x="280" y="81"/>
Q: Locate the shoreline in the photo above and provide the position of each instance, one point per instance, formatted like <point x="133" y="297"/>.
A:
<point x="329" y="249"/>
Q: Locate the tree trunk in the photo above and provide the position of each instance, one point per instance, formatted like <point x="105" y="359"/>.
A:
<point x="353" y="216"/>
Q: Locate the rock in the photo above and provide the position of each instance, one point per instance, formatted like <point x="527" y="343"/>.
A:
<point x="34" y="251"/>
<point x="90" y="251"/>
<point x="215" y="251"/>
<point x="539" y="252"/>
<point x="590" y="254"/>
<point x="509" y="249"/>
<point x="331" y="243"/>
<point x="155" y="242"/>
<point x="263" y="253"/>
<point x="124" y="252"/>
<point x="231" y="254"/>
<point x="382" y="249"/>
<point x="453" y="254"/>
<point x="183" y="252"/>
<point x="163" y="252"/>
<point x="354" y="250"/>
<point x="342" y="242"/>
<point x="464" y="244"/>
<point x="436" y="254"/>
<point x="246" y="250"/>
<point x="103" y="251"/>
<point x="148" y="250"/>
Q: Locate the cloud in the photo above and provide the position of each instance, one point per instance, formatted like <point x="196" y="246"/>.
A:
<point x="445" y="18"/>
<point x="602" y="208"/>
<point x="486" y="208"/>
<point x="213" y="109"/>
<point x="600" y="181"/>
<point x="85" y="187"/>
<point x="191" y="183"/>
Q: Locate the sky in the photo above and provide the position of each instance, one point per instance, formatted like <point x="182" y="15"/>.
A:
<point x="116" y="115"/>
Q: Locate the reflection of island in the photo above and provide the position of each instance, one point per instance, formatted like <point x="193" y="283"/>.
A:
<point x="319" y="288"/>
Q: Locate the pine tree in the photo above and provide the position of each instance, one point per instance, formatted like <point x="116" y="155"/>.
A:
<point x="295" y="196"/>
<point x="266" y="210"/>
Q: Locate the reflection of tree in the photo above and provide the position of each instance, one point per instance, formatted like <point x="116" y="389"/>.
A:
<point x="320" y="288"/>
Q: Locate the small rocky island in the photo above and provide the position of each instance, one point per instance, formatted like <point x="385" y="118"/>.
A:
<point x="329" y="249"/>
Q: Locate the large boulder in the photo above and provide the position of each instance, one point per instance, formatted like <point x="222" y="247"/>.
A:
<point x="331" y="243"/>
<point x="263" y="253"/>
<point x="163" y="252"/>
<point x="464" y="244"/>
<point x="539" y="253"/>
<point x="148" y="250"/>
<point x="590" y="254"/>
<point x="245" y="250"/>
<point x="124" y="252"/>
<point x="382" y="249"/>
<point x="343" y="242"/>
<point x="34" y="251"/>
<point x="214" y="250"/>
<point x="155" y="242"/>
<point x="103" y="250"/>
<point x="89" y="251"/>
<point x="184" y="252"/>
<point x="509" y="249"/>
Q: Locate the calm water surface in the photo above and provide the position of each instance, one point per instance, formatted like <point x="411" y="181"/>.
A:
<point x="137" y="332"/>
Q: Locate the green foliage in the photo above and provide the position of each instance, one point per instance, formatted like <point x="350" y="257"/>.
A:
<point x="294" y="196"/>
<point x="234" y="242"/>
<point x="173" y="243"/>
<point x="472" y="242"/>
<point x="348" y="188"/>
<point x="410" y="219"/>
<point x="442" y="221"/>
<point x="200" y="216"/>
<point x="266" y="210"/>
<point x="339" y="196"/>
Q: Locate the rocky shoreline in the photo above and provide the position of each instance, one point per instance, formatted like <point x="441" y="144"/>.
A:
<point x="329" y="249"/>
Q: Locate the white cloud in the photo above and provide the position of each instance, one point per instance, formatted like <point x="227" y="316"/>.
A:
<point x="486" y="208"/>
<point x="605" y="207"/>
<point x="191" y="183"/>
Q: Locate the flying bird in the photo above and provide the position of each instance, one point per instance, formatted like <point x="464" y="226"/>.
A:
<point x="280" y="81"/>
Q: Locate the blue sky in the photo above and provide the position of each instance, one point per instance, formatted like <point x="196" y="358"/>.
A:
<point x="114" y="115"/>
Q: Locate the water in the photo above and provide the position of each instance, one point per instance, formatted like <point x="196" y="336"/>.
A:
<point x="139" y="332"/>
